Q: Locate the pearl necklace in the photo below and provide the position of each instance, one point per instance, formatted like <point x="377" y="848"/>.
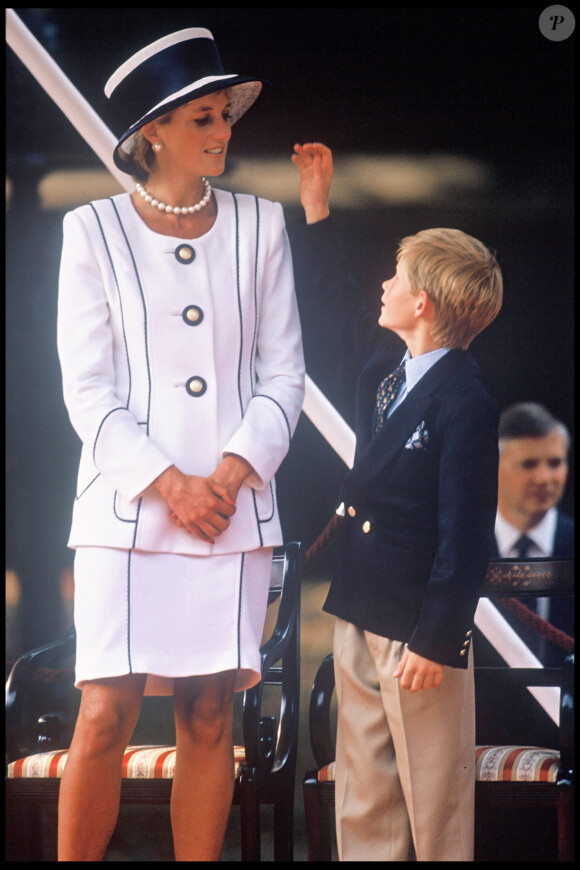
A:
<point x="169" y="209"/>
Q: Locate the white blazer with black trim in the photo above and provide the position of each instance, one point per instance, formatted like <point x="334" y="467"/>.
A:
<point x="177" y="352"/>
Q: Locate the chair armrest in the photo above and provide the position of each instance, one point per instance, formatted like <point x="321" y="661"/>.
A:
<point x="321" y="739"/>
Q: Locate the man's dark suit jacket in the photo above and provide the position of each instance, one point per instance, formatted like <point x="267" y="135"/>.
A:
<point x="564" y="537"/>
<point x="421" y="498"/>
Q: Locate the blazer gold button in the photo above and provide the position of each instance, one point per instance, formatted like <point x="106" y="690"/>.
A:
<point x="351" y="511"/>
<point x="366" y="527"/>
<point x="192" y="315"/>
<point x="184" y="254"/>
<point x="196" y="386"/>
<point x="462" y="652"/>
<point x="466" y="643"/>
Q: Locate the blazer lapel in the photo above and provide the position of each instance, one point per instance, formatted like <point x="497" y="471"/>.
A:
<point x="373" y="454"/>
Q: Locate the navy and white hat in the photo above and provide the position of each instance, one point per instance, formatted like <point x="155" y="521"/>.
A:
<point x="168" y="73"/>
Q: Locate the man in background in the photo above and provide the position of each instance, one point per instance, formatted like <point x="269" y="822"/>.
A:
<point x="533" y="470"/>
<point x="532" y="475"/>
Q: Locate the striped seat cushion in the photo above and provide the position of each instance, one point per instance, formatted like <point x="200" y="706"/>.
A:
<point x="500" y="764"/>
<point x="139" y="762"/>
<point x="326" y="773"/>
<point x="516" y="764"/>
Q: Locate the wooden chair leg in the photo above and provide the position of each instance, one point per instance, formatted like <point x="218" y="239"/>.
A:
<point x="318" y="822"/>
<point x="284" y="829"/>
<point x="249" y="818"/>
<point x="565" y="823"/>
<point x="312" y="817"/>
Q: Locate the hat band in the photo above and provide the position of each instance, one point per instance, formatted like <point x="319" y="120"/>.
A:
<point x="194" y="86"/>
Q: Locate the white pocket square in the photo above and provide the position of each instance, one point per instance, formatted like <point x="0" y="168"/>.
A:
<point x="419" y="439"/>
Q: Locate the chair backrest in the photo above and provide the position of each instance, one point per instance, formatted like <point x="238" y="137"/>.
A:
<point x="529" y="578"/>
<point x="512" y="583"/>
<point x="280" y="654"/>
<point x="42" y="702"/>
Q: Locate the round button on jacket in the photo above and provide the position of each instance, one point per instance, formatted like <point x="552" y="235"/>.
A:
<point x="196" y="386"/>
<point x="184" y="254"/>
<point x="192" y="315"/>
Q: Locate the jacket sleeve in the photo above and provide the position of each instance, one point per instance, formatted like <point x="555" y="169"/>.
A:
<point x="332" y="307"/>
<point x="467" y="509"/>
<point x="271" y="416"/>
<point x="121" y="449"/>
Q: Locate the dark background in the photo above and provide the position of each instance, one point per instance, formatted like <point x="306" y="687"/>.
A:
<point x="480" y="83"/>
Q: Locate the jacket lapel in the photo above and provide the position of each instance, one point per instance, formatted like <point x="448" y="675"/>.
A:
<point x="373" y="454"/>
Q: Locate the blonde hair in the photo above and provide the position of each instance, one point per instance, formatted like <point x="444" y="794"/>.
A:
<point x="141" y="152"/>
<point x="142" y="156"/>
<point x="462" y="278"/>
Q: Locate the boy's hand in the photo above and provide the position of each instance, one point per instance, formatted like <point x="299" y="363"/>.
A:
<point x="314" y="160"/>
<point x="418" y="673"/>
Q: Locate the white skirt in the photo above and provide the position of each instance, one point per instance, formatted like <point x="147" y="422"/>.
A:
<point x="169" y="615"/>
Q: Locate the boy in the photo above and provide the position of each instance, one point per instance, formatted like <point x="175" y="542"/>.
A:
<point x="419" y="509"/>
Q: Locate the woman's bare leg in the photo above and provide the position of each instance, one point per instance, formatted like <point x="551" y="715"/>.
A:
<point x="204" y="772"/>
<point x="91" y="783"/>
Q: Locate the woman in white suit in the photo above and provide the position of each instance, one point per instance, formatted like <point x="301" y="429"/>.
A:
<point x="183" y="375"/>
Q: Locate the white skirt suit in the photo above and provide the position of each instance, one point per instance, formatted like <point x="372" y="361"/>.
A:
<point x="175" y="352"/>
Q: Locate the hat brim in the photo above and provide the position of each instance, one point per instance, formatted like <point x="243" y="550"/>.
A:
<point x="245" y="91"/>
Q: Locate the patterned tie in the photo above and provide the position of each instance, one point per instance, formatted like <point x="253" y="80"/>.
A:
<point x="541" y="606"/>
<point x="522" y="546"/>
<point x="387" y="392"/>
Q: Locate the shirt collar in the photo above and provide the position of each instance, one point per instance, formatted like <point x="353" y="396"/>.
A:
<point x="416" y="367"/>
<point x="541" y="535"/>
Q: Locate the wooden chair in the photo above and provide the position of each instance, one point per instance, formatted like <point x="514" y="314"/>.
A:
<point x="544" y="780"/>
<point x="42" y="705"/>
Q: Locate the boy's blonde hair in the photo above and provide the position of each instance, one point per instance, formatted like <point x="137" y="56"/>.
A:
<point x="462" y="278"/>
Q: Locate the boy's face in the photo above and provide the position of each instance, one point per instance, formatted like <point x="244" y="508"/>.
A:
<point x="399" y="303"/>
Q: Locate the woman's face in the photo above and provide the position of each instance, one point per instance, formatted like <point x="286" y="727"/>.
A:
<point x="195" y="139"/>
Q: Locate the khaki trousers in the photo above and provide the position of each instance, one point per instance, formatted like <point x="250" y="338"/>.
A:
<point x="405" y="763"/>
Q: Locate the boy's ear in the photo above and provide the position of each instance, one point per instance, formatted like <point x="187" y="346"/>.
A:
<point x="424" y="306"/>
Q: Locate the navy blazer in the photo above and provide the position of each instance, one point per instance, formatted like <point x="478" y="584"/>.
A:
<point x="421" y="498"/>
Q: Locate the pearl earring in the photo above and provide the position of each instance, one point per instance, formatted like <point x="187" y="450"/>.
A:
<point x="157" y="146"/>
